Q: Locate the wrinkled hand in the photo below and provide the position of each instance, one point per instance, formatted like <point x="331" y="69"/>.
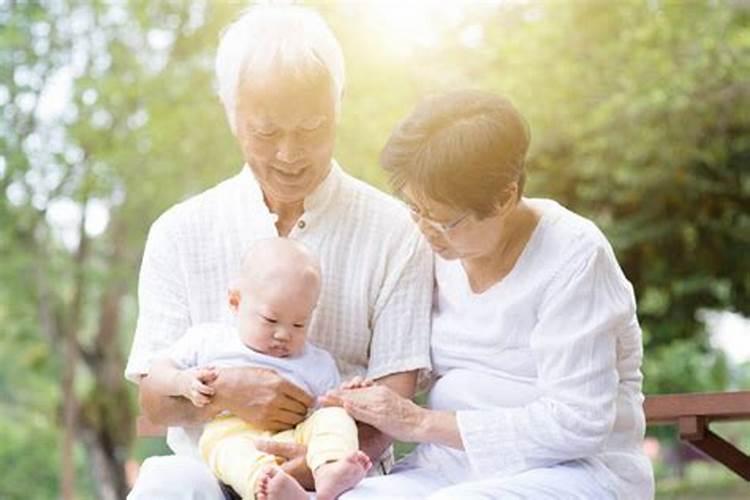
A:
<point x="261" y="397"/>
<point x="196" y="387"/>
<point x="357" y="383"/>
<point x="294" y="463"/>
<point x="380" y="407"/>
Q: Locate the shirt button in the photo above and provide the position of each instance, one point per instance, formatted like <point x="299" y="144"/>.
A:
<point x="301" y="224"/>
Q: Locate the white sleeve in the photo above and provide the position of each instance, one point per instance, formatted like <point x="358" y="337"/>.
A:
<point x="328" y="376"/>
<point x="333" y="380"/>
<point x="163" y="314"/>
<point x="186" y="350"/>
<point x="574" y="344"/>
<point x="401" y="317"/>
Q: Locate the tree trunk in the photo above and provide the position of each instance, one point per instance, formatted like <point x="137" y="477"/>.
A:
<point x="107" y="413"/>
<point x="69" y="420"/>
<point x="107" y="465"/>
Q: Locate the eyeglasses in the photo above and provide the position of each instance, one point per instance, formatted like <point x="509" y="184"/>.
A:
<point x="442" y="227"/>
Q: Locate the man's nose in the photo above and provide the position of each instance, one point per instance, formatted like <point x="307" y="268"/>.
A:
<point x="289" y="150"/>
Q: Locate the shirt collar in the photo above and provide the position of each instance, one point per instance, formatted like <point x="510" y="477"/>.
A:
<point x="319" y="199"/>
<point x="315" y="202"/>
<point x="249" y="185"/>
<point x="251" y="195"/>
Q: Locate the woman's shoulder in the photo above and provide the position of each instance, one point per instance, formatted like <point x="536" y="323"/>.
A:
<point x="576" y="250"/>
<point x="565" y="233"/>
<point x="571" y="246"/>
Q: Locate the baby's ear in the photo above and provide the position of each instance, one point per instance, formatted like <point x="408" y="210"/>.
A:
<point x="233" y="295"/>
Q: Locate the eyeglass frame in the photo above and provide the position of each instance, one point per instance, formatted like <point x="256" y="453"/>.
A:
<point x="443" y="228"/>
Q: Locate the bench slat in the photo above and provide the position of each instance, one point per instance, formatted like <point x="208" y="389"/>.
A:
<point x="668" y="408"/>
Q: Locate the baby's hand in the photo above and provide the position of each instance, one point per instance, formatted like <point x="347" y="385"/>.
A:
<point x="194" y="385"/>
<point x="357" y="383"/>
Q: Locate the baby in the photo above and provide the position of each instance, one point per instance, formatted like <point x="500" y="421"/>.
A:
<point x="274" y="300"/>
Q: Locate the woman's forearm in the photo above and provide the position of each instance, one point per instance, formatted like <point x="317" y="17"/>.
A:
<point x="438" y="427"/>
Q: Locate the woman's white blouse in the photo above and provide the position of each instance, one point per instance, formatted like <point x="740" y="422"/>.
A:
<point x="544" y="366"/>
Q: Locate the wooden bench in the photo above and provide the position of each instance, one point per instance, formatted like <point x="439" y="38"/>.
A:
<point x="691" y="413"/>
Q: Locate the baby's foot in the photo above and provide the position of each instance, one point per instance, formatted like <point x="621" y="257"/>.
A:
<point x="275" y="484"/>
<point x="334" y="478"/>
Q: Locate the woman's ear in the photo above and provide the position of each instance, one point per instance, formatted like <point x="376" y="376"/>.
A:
<point x="510" y="200"/>
<point x="233" y="296"/>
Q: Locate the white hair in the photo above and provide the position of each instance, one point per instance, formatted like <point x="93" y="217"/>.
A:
<point x="268" y="39"/>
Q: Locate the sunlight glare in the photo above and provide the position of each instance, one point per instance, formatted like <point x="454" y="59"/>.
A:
<point x="403" y="26"/>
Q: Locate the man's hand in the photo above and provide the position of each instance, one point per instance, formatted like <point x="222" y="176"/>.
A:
<point x="195" y="383"/>
<point x="294" y="460"/>
<point x="261" y="397"/>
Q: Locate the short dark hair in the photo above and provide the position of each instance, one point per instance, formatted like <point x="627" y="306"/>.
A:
<point x="462" y="149"/>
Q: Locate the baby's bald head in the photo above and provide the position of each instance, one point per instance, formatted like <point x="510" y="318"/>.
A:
<point x="279" y="261"/>
<point x="275" y="296"/>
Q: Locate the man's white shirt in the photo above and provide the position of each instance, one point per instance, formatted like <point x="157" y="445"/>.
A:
<point x="374" y="310"/>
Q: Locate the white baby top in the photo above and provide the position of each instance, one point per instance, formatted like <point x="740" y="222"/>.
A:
<point x="219" y="345"/>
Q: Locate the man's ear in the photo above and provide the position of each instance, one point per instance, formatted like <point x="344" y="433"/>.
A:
<point x="234" y="299"/>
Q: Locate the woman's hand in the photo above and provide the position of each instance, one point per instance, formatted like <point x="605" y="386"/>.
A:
<point x="380" y="407"/>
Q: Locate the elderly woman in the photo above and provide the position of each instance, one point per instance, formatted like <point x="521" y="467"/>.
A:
<point x="536" y="347"/>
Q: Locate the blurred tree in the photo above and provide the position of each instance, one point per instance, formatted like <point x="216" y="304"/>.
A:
<point x="93" y="149"/>
<point x="643" y="113"/>
<point x="640" y="120"/>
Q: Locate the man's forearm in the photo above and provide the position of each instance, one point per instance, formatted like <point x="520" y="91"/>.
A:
<point x="170" y="410"/>
<point x="372" y="441"/>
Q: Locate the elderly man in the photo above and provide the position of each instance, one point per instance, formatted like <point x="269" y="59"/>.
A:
<point x="280" y="76"/>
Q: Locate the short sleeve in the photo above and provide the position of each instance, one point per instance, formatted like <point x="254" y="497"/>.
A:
<point x="574" y="344"/>
<point x="333" y="380"/>
<point x="327" y="376"/>
<point x="401" y="317"/>
<point x="185" y="352"/>
<point x="163" y="314"/>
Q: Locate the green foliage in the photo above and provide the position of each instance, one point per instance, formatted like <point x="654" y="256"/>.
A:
<point x="29" y="469"/>
<point x="640" y="113"/>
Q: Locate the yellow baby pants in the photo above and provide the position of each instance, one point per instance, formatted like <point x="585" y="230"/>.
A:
<point x="228" y="445"/>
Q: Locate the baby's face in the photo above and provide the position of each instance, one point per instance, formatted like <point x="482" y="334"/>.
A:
<point x="273" y="319"/>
